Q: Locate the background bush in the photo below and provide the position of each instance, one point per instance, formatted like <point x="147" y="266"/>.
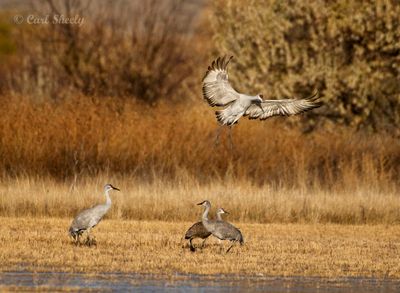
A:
<point x="142" y="49"/>
<point x="348" y="50"/>
<point x="121" y="94"/>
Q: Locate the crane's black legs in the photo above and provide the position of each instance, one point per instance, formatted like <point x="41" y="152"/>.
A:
<point x="231" y="246"/>
<point x="77" y="240"/>
<point x="230" y="136"/>
<point x="202" y="244"/>
<point x="89" y="241"/>
<point x="192" y="249"/>
<point x="218" y="133"/>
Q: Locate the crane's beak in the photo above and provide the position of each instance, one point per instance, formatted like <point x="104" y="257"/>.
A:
<point x="200" y="203"/>
<point x="262" y="109"/>
<point x="115" y="188"/>
<point x="226" y="212"/>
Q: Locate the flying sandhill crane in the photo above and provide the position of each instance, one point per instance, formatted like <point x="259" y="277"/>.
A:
<point x="217" y="91"/>
<point x="87" y="219"/>
<point x="198" y="230"/>
<point x="220" y="228"/>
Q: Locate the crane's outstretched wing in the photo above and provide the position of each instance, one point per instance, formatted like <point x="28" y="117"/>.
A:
<point x="216" y="87"/>
<point x="282" y="107"/>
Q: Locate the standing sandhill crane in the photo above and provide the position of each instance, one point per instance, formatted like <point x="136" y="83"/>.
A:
<point x="198" y="230"/>
<point x="87" y="219"/>
<point x="220" y="212"/>
<point x="220" y="228"/>
<point x="217" y="91"/>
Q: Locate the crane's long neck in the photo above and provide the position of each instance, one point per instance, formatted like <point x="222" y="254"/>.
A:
<point x="219" y="217"/>
<point x="205" y="214"/>
<point x="108" y="199"/>
<point x="206" y="222"/>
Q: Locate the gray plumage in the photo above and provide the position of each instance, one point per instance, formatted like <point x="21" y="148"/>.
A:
<point x="217" y="91"/>
<point x="197" y="230"/>
<point x="220" y="228"/>
<point x="89" y="218"/>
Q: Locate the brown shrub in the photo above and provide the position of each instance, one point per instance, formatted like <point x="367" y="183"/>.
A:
<point x="139" y="49"/>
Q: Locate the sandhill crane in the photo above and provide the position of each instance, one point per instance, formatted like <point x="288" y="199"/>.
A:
<point x="217" y="91"/>
<point x="197" y="230"/>
<point x="220" y="228"/>
<point x="87" y="219"/>
<point x="220" y="212"/>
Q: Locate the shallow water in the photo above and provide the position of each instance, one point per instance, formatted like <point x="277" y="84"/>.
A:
<point x="25" y="280"/>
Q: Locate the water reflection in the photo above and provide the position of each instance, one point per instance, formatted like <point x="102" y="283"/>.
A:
<point x="24" y="280"/>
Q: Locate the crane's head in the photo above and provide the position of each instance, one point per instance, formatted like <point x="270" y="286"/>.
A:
<point x="258" y="101"/>
<point x="205" y="203"/>
<point x="109" y="187"/>
<point x="221" y="211"/>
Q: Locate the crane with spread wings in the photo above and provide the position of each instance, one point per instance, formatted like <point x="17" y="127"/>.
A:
<point x="217" y="91"/>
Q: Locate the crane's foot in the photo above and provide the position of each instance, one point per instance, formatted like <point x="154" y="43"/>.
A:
<point x="230" y="247"/>
<point x="192" y="249"/>
<point x="76" y="240"/>
<point x="203" y="243"/>
<point x="90" y="242"/>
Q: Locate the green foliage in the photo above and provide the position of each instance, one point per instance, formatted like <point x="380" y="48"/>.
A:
<point x="7" y="45"/>
<point x="348" y="50"/>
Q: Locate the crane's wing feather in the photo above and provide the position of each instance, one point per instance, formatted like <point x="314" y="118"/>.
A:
<point x="216" y="87"/>
<point x="285" y="107"/>
<point x="88" y="218"/>
<point x="225" y="230"/>
<point x="197" y="230"/>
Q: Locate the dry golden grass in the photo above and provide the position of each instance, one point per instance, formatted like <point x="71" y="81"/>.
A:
<point x="154" y="247"/>
<point x="176" y="201"/>
<point x="55" y="158"/>
<point x="85" y="136"/>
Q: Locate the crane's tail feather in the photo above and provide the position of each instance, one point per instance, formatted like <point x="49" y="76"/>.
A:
<point x="225" y="117"/>
<point x="241" y="240"/>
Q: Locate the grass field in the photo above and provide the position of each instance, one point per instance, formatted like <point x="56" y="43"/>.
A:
<point x="315" y="194"/>
<point x="176" y="201"/>
<point x="156" y="247"/>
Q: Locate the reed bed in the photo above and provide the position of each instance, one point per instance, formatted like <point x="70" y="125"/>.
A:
<point x="89" y="136"/>
<point x="176" y="202"/>
<point x="55" y="158"/>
